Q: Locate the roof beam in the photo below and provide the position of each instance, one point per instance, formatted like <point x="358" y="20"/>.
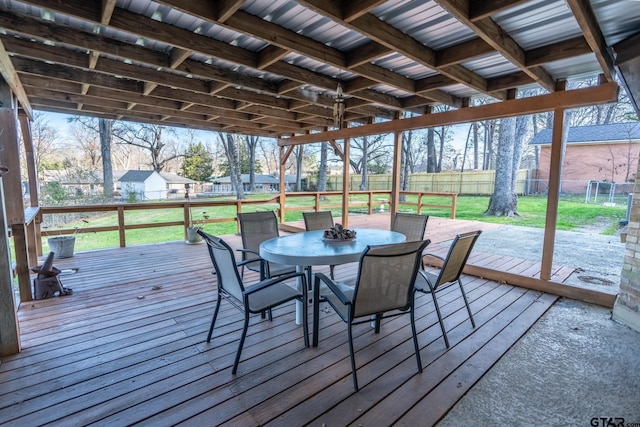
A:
<point x="480" y="9"/>
<point x="604" y="93"/>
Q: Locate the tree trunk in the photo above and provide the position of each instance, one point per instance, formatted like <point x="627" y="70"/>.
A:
<point x="518" y="148"/>
<point x="365" y="159"/>
<point x="431" y="151"/>
<point x="475" y="146"/>
<point x="440" y="151"/>
<point x="252" y="144"/>
<point x="504" y="201"/>
<point x="322" y="173"/>
<point x="106" y="127"/>
<point x="299" y="154"/>
<point x="231" y="152"/>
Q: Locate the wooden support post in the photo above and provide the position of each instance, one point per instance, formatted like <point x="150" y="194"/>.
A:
<point x="283" y="183"/>
<point x="394" y="198"/>
<point x="346" y="180"/>
<point x="555" y="169"/>
<point x="32" y="174"/>
<point x="9" y="327"/>
<point x="121" y="229"/>
<point x="12" y="185"/>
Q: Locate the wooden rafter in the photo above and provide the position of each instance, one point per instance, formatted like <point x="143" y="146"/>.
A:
<point x="495" y="36"/>
<point x="591" y="30"/>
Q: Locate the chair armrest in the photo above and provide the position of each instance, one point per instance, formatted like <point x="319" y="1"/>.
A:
<point x="249" y="261"/>
<point x="269" y="282"/>
<point x="417" y="287"/>
<point x="248" y="251"/>
<point x="434" y="256"/>
<point x="335" y="288"/>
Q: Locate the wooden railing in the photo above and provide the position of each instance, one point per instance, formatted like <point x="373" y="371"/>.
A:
<point x="374" y="200"/>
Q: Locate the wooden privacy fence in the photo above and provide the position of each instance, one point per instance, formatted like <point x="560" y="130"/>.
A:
<point x="468" y="182"/>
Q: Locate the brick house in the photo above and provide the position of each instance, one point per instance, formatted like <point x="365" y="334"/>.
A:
<point x="605" y="153"/>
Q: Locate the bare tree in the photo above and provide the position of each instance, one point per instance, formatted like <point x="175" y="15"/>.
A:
<point x="270" y="153"/>
<point x="44" y="139"/>
<point x="231" y="151"/>
<point x="149" y="137"/>
<point x="366" y="150"/>
<point x="252" y="144"/>
<point x="89" y="144"/>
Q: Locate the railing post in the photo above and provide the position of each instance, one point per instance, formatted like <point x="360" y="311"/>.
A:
<point x="317" y="202"/>
<point x="121" y="231"/>
<point x="420" y="194"/>
<point x="454" y="202"/>
<point x="238" y="210"/>
<point x="186" y="212"/>
<point x="370" y="202"/>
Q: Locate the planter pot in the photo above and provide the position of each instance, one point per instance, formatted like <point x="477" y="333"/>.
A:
<point x="62" y="246"/>
<point x="193" y="238"/>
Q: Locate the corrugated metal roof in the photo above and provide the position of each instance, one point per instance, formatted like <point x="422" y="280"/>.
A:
<point x="239" y="71"/>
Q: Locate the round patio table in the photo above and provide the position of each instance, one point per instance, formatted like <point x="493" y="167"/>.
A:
<point x="307" y="249"/>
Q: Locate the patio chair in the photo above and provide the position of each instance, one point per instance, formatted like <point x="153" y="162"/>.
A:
<point x="255" y="228"/>
<point x="386" y="276"/>
<point x="251" y="299"/>
<point x="412" y="226"/>
<point x="449" y="274"/>
<point x="321" y="220"/>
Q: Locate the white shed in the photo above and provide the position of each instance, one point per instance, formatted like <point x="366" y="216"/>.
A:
<point x="143" y="185"/>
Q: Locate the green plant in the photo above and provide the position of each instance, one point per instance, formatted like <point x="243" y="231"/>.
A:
<point x="55" y="193"/>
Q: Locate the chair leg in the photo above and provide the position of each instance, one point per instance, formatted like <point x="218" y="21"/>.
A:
<point x="466" y="302"/>
<point x="331" y="268"/>
<point x="415" y="338"/>
<point x="244" y="334"/>
<point x="316" y="309"/>
<point x="305" y="319"/>
<point x="444" y="332"/>
<point x="213" y="321"/>
<point x="377" y="321"/>
<point x="353" y="358"/>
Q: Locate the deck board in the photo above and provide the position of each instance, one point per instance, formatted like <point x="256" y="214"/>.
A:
<point x="128" y="347"/>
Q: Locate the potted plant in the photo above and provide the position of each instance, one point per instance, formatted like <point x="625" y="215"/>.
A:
<point x="63" y="246"/>
<point x="193" y="238"/>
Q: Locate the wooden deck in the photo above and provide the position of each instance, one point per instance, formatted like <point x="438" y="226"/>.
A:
<point x="128" y="347"/>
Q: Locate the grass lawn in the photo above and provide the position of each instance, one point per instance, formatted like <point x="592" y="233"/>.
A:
<point x="572" y="213"/>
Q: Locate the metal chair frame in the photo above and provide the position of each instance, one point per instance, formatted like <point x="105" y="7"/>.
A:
<point x="385" y="283"/>
<point x="252" y="299"/>
<point x="452" y="266"/>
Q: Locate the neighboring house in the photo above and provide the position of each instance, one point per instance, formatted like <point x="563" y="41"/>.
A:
<point x="602" y="153"/>
<point x="176" y="183"/>
<point x="264" y="183"/>
<point x="143" y="185"/>
<point x="76" y="182"/>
